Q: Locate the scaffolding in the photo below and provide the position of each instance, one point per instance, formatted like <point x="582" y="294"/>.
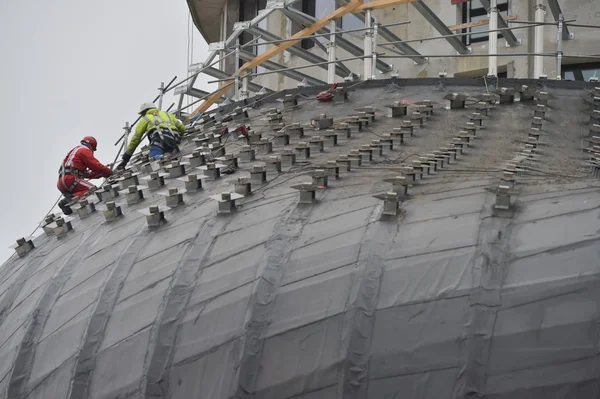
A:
<point x="377" y="37"/>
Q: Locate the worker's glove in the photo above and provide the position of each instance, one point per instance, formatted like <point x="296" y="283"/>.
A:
<point x="126" y="157"/>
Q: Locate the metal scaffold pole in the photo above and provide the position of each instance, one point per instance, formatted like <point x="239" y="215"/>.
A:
<point x="331" y="54"/>
<point x="368" y="47"/>
<point x="493" y="39"/>
<point x="559" y="47"/>
<point x="161" y="91"/>
<point x="236" y="94"/>
<point x="538" y="62"/>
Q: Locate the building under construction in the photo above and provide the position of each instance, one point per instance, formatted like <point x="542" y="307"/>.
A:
<point x="430" y="231"/>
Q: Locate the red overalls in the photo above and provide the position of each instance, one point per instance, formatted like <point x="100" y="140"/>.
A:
<point x="79" y="163"/>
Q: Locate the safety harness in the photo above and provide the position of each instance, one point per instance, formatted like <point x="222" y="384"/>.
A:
<point x="67" y="169"/>
<point x="160" y="137"/>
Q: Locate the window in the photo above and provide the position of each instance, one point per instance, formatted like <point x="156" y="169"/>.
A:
<point x="351" y="21"/>
<point x="581" y="72"/>
<point x="314" y="8"/>
<point x="248" y="10"/>
<point x="473" y="11"/>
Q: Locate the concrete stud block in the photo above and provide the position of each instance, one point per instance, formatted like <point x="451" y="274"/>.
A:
<point x="201" y="142"/>
<point x="254" y="138"/>
<point x="128" y="179"/>
<point x="303" y="150"/>
<point x="258" y="174"/>
<point x="455" y="100"/>
<point x="229" y="160"/>
<point x="62" y="227"/>
<point x="503" y="197"/>
<point x="417" y="118"/>
<point x="391" y="204"/>
<point x="85" y="208"/>
<point x="343" y="130"/>
<point x="23" y="246"/>
<point x="317" y="144"/>
<point x="290" y="101"/>
<point x="134" y="195"/>
<point x="540" y="111"/>
<point x="476" y="119"/>
<point x="265" y="146"/>
<point x="398" y="134"/>
<point x="282" y="139"/>
<point x="112" y="212"/>
<point x="366" y="153"/>
<point x="323" y="122"/>
<point x="399" y="186"/>
<point x="410" y="173"/>
<point x="226" y="202"/>
<point x="175" y="169"/>
<point x="247" y="154"/>
<point x="193" y="182"/>
<point x="344" y="163"/>
<point x="355" y="126"/>
<point x="340" y="96"/>
<point x="319" y="178"/>
<point x="482" y="108"/>
<point x="155" y="181"/>
<point x="217" y="150"/>
<point x="211" y="170"/>
<point x="307" y="193"/>
<point x="407" y="127"/>
<point x="508" y="179"/>
<point x="331" y="139"/>
<point x="332" y="169"/>
<point x="174" y="198"/>
<point x="418" y="167"/>
<point x="288" y="157"/>
<point x="429" y="166"/>
<point x="355" y="158"/>
<point x="506" y="95"/>
<point x="274" y="164"/>
<point x="397" y="109"/>
<point x="295" y="130"/>
<point x="196" y="159"/>
<point x="46" y="224"/>
<point x="367" y="111"/>
<point x="155" y="217"/>
<point x="377" y="148"/>
<point x="107" y="193"/>
<point x="387" y="142"/>
<point x="536" y="123"/>
<point x="243" y="186"/>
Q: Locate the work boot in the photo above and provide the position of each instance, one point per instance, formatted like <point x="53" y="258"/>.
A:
<point x="64" y="207"/>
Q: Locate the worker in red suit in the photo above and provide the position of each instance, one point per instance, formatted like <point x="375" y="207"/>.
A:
<point x="79" y="165"/>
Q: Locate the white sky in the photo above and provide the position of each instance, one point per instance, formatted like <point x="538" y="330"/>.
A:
<point x="72" y="68"/>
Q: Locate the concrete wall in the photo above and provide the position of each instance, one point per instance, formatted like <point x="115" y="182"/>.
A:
<point x="585" y="42"/>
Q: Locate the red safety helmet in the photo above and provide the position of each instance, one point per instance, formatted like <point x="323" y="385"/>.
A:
<point x="90" y="142"/>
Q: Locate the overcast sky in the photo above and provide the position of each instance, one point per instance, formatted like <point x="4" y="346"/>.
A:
<point x="72" y="68"/>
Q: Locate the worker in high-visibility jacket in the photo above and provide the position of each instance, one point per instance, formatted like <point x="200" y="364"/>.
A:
<point x="79" y="165"/>
<point x="163" y="129"/>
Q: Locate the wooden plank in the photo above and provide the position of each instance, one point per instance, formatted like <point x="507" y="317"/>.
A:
<point x="374" y="5"/>
<point x="279" y="48"/>
<point x="478" y="23"/>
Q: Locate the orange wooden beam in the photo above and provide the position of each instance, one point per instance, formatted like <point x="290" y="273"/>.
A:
<point x="374" y="5"/>
<point x="478" y="23"/>
<point x="278" y="49"/>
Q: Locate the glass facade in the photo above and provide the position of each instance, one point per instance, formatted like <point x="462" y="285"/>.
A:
<point x="581" y="72"/>
<point x="474" y="11"/>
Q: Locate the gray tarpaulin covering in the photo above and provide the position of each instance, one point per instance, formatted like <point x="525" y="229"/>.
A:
<point x="453" y="299"/>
